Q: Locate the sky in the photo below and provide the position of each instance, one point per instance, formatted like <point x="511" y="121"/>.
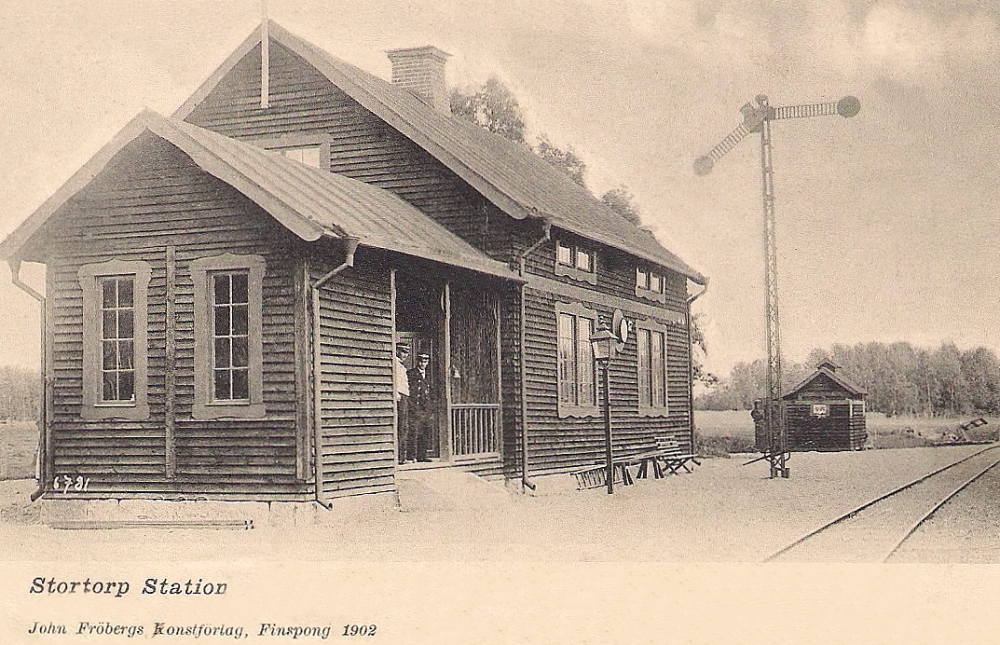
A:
<point x="887" y="222"/>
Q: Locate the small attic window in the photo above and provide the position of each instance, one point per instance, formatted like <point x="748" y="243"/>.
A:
<point x="650" y="284"/>
<point x="576" y="262"/>
<point x="309" y="155"/>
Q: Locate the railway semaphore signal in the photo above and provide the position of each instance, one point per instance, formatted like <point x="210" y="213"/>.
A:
<point x="757" y="118"/>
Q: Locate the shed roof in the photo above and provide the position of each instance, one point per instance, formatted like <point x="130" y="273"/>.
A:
<point x="310" y="202"/>
<point x="508" y="174"/>
<point x="852" y="388"/>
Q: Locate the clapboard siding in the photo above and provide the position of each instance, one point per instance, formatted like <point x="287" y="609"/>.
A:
<point x="556" y="442"/>
<point x="361" y="145"/>
<point x="357" y="439"/>
<point x="152" y="196"/>
<point x="839" y="431"/>
<point x="510" y="386"/>
<point x="843" y="429"/>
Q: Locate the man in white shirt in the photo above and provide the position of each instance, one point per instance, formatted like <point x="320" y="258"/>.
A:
<point x="402" y="386"/>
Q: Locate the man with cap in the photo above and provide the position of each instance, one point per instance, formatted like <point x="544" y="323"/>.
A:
<point x="402" y="388"/>
<point x="421" y="410"/>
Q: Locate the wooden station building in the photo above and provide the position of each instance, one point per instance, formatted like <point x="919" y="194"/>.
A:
<point x="225" y="288"/>
<point x="826" y="411"/>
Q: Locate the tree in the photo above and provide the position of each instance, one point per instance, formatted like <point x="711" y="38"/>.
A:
<point x="492" y="107"/>
<point x="698" y="372"/>
<point x="981" y="369"/>
<point x="566" y="160"/>
<point x="20" y="393"/>
<point x="621" y="200"/>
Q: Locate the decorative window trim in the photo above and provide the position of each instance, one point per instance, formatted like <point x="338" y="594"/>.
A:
<point x="653" y="327"/>
<point x="642" y="288"/>
<point x="93" y="409"/>
<point x="205" y="407"/>
<point x="570" y="409"/>
<point x="322" y="141"/>
<point x="571" y="270"/>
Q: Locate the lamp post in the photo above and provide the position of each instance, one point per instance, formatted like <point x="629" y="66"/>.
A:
<point x="604" y="344"/>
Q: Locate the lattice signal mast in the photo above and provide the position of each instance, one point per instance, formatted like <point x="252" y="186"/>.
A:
<point x="758" y="119"/>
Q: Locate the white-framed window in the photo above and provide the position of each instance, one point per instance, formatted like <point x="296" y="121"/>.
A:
<point x="575" y="261"/>
<point x="309" y="148"/>
<point x="577" y="381"/>
<point x="650" y="284"/>
<point x="228" y="351"/>
<point x="115" y="295"/>
<point x="117" y="338"/>
<point x="230" y="335"/>
<point x="651" y="364"/>
<point x="310" y="155"/>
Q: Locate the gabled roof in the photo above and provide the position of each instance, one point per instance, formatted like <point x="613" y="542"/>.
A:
<point x="843" y="382"/>
<point x="508" y="174"/>
<point x="309" y="202"/>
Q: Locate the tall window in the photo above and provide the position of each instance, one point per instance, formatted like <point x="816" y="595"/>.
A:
<point x="651" y="346"/>
<point x="114" y="340"/>
<point x="117" y="339"/>
<point x="231" y="337"/>
<point x="228" y="337"/>
<point x="577" y="391"/>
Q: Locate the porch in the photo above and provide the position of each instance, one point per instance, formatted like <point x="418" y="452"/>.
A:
<point x="455" y="320"/>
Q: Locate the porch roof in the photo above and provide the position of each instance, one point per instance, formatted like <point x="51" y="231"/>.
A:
<point x="310" y="202"/>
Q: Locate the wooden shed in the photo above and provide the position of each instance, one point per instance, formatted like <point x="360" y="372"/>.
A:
<point x="826" y="411"/>
<point x="225" y="288"/>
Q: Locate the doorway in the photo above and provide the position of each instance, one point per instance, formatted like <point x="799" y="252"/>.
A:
<point x="419" y="322"/>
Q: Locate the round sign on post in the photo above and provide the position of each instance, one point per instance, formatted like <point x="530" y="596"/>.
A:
<point x="620" y="327"/>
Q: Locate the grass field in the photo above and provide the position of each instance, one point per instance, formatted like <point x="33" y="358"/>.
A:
<point x="721" y="433"/>
<point x="18" y="445"/>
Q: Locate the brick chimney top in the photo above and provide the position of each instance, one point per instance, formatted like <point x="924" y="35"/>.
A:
<point x="421" y="70"/>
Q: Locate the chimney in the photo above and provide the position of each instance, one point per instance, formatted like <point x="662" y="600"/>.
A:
<point x="421" y="70"/>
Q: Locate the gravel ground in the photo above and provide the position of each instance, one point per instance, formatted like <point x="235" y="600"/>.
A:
<point x="965" y="530"/>
<point x="723" y="512"/>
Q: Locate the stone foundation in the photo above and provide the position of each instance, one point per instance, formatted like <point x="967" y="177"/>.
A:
<point x="256" y="514"/>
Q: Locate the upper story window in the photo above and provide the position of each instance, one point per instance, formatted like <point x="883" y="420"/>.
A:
<point x="651" y="350"/>
<point x="650" y="284"/>
<point x="576" y="262"/>
<point x="228" y="337"/>
<point x="309" y="155"/>
<point x="114" y="340"/>
<point x="577" y="389"/>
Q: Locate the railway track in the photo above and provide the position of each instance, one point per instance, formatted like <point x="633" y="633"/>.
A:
<point x="874" y="531"/>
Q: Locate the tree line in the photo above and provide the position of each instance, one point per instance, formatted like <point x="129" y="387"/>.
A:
<point x="20" y="390"/>
<point x="900" y="379"/>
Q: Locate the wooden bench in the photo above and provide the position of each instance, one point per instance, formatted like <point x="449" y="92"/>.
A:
<point x="596" y="476"/>
<point x="667" y="459"/>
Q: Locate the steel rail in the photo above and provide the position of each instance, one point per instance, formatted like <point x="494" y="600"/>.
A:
<point x="930" y="513"/>
<point x="869" y="504"/>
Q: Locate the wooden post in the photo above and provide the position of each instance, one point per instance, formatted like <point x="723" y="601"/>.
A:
<point x="446" y="351"/>
<point x="303" y="414"/>
<point x="392" y="364"/>
<point x="48" y="465"/>
<point x="608" y="452"/>
<point x="609" y="455"/>
<point x="498" y="427"/>
<point x="170" y="366"/>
